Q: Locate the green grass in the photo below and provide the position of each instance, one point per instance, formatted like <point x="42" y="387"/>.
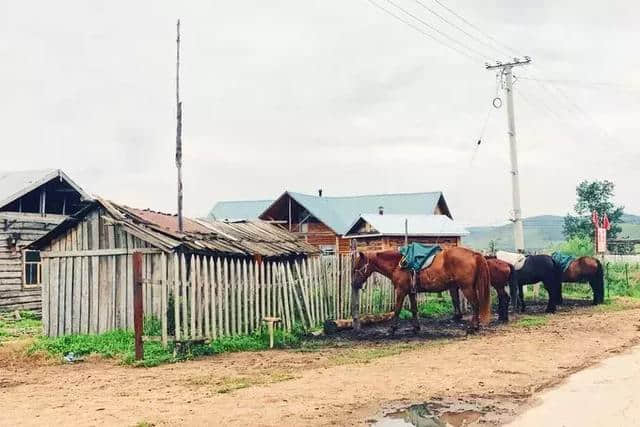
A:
<point x="29" y="325"/>
<point x="433" y="307"/>
<point x="119" y="344"/>
<point x="531" y="321"/>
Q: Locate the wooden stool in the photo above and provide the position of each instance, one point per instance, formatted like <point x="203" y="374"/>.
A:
<point x="270" y="321"/>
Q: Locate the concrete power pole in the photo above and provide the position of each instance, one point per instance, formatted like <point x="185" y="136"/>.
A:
<point x="507" y="73"/>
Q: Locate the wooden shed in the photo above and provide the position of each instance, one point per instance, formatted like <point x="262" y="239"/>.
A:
<point x="387" y="231"/>
<point x="32" y="203"/>
<point x="87" y="275"/>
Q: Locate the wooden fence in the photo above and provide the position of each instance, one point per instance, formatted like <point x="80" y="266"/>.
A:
<point x="219" y="296"/>
<point x="196" y="296"/>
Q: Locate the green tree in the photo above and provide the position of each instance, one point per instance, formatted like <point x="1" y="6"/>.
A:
<point x="593" y="196"/>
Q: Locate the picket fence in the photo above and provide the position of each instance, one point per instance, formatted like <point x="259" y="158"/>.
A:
<point x="214" y="297"/>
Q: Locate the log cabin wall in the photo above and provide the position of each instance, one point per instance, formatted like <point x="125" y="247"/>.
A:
<point x="18" y="230"/>
<point x="393" y="242"/>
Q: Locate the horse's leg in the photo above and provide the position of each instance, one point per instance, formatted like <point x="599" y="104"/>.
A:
<point x="559" y="299"/>
<point x="455" y="300"/>
<point x="503" y="305"/>
<point x="414" y="309"/>
<point x="521" y="296"/>
<point x="400" y="295"/>
<point x="471" y="296"/>
<point x="551" y="288"/>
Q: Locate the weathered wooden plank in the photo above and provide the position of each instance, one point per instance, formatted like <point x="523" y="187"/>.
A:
<point x="296" y="299"/>
<point x="268" y="290"/>
<point x="192" y="284"/>
<point x="215" y="296"/>
<point x="184" y="295"/>
<point x="250" y="299"/>
<point x="199" y="296"/>
<point x="164" y="283"/>
<point x="285" y="297"/>
<point x="129" y="282"/>
<point x="177" y="298"/>
<point x="256" y="295"/>
<point x="263" y="288"/>
<point x="84" y="282"/>
<point x="54" y="275"/>
<point x="206" y="288"/>
<point x="62" y="289"/>
<point x="305" y="301"/>
<point x="233" y="293"/>
<point x="46" y="298"/>
<point x="94" y="294"/>
<point x="245" y="297"/>
<point x="227" y="329"/>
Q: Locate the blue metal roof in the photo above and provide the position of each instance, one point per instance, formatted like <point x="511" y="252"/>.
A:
<point x="235" y="210"/>
<point x="338" y="213"/>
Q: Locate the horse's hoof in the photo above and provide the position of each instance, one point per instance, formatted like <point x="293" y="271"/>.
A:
<point x="457" y="317"/>
<point x="550" y="310"/>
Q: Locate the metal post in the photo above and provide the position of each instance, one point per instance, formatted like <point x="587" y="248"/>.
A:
<point x="137" y="304"/>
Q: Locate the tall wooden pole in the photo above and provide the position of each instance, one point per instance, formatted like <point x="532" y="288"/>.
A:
<point x="179" y="129"/>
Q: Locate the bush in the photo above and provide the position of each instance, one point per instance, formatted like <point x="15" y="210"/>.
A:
<point x="576" y="246"/>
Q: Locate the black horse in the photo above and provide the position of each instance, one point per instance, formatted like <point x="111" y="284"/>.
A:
<point x="540" y="268"/>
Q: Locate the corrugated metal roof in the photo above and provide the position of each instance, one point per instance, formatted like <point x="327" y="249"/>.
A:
<point x="15" y="184"/>
<point x="418" y="225"/>
<point x="236" y="210"/>
<point x="338" y="213"/>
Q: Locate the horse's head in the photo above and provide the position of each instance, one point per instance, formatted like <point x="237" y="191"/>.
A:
<point x="362" y="269"/>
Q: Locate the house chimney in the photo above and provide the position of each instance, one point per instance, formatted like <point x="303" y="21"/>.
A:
<point x="320" y="192"/>
<point x="381" y="210"/>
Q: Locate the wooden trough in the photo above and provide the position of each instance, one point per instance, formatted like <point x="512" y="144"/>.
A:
<point x="332" y="326"/>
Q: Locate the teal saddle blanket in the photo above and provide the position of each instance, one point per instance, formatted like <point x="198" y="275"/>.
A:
<point x="562" y="260"/>
<point x="416" y="256"/>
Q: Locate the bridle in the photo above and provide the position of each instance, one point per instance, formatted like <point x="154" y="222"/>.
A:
<point x="362" y="271"/>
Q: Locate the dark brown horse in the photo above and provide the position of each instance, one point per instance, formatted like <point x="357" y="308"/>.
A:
<point x="500" y="276"/>
<point x="452" y="268"/>
<point x="586" y="269"/>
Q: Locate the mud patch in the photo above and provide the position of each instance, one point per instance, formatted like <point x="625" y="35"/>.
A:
<point x="443" y="412"/>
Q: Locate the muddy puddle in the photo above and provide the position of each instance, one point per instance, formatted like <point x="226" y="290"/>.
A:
<point x="449" y="413"/>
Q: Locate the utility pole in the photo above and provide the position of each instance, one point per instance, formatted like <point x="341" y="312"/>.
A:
<point x="506" y="71"/>
<point x="179" y="129"/>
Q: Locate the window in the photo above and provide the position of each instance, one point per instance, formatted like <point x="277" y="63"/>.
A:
<point x="32" y="268"/>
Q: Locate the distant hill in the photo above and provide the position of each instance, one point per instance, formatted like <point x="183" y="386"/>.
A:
<point x="540" y="232"/>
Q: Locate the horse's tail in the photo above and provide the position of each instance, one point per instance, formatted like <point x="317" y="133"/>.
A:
<point x="597" y="283"/>
<point x="481" y="286"/>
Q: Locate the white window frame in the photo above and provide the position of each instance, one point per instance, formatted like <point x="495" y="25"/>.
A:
<point x="26" y="285"/>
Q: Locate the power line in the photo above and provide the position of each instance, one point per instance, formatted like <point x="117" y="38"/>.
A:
<point x="583" y="83"/>
<point x="457" y="27"/>
<point x="442" y="34"/>
<point x="425" y="33"/>
<point x="475" y="27"/>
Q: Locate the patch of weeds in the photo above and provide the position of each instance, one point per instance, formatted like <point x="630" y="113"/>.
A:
<point x="405" y="314"/>
<point x="531" y="321"/>
<point x="366" y="355"/>
<point x="228" y="384"/>
<point x="29" y="325"/>
<point x="151" y="326"/>
<point x="435" y="308"/>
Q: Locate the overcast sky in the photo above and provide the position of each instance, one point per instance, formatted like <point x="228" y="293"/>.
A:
<point x="331" y="94"/>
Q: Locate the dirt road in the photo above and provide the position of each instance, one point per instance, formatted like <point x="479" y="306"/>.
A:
<point x="604" y="395"/>
<point x="327" y="386"/>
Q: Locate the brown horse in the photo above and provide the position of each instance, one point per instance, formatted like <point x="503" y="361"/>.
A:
<point x="500" y="274"/>
<point x="586" y="269"/>
<point x="452" y="268"/>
